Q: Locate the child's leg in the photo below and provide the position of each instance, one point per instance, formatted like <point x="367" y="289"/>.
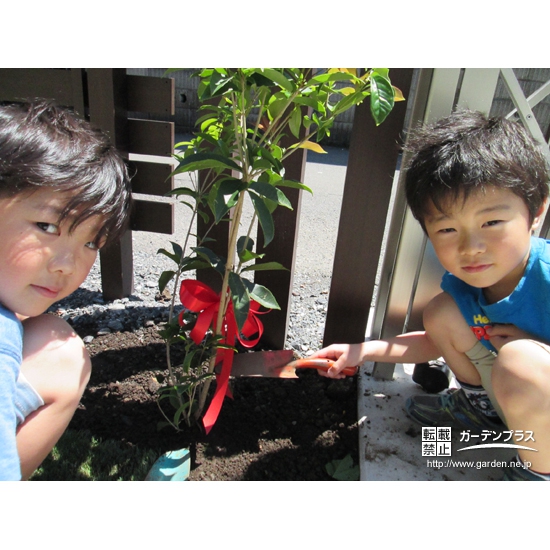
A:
<point x="447" y="328"/>
<point x="474" y="406"/>
<point x="521" y="380"/>
<point x="57" y="365"/>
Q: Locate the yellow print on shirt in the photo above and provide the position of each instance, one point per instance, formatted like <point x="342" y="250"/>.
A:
<point x="481" y="323"/>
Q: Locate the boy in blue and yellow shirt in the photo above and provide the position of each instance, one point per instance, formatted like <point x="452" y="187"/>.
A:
<point x="479" y="186"/>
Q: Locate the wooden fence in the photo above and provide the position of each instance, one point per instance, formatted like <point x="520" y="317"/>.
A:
<point x="106" y="96"/>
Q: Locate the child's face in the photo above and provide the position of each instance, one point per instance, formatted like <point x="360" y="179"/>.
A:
<point x="40" y="262"/>
<point x="484" y="242"/>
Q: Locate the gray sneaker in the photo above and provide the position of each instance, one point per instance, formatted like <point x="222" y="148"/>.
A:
<point x="451" y="409"/>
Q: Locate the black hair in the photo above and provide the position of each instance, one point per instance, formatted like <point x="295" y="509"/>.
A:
<point x="43" y="146"/>
<point x="467" y="152"/>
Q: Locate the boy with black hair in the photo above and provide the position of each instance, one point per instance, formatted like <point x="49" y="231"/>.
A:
<point x="64" y="194"/>
<point x="478" y="186"/>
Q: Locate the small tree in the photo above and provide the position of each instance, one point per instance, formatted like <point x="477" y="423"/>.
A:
<point x="239" y="147"/>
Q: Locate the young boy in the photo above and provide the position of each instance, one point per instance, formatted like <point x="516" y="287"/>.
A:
<point x="478" y="187"/>
<point x="64" y="194"/>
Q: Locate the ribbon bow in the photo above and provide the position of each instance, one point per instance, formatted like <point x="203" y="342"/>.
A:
<point x="200" y="298"/>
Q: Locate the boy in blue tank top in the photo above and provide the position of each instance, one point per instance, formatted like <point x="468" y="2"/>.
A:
<point x="479" y="186"/>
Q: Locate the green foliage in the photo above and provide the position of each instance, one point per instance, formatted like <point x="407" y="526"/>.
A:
<point x="78" y="456"/>
<point x="252" y="120"/>
<point x="185" y="378"/>
<point x="343" y="470"/>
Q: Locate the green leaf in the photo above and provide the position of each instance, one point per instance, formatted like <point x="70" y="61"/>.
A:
<point x="276" y="107"/>
<point x="262" y="295"/>
<point x="204" y="216"/>
<point x="294" y="185"/>
<point x="165" y="278"/>
<point x="266" y="155"/>
<point x="385" y="73"/>
<point x="264" y="217"/>
<point x="247" y="256"/>
<point x="268" y="191"/>
<point x="311" y="146"/>
<point x="267" y="266"/>
<point x="193" y="263"/>
<point x="343" y="470"/>
<point x="244" y="243"/>
<point x="278" y="78"/>
<point x="330" y="77"/>
<point x="183" y="191"/>
<point x="295" y="122"/>
<point x="220" y="82"/>
<point x="240" y="299"/>
<point x="224" y="196"/>
<point x="200" y="161"/>
<point x="381" y="95"/>
<point x="169" y="255"/>
<point x="309" y="102"/>
<point x="211" y="257"/>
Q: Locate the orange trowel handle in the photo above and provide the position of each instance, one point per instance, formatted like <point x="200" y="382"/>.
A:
<point x="320" y="364"/>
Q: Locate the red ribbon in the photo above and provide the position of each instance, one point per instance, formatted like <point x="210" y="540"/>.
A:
<point x="200" y="298"/>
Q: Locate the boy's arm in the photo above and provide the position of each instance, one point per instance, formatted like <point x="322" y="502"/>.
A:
<point x="413" y="347"/>
<point x="501" y="334"/>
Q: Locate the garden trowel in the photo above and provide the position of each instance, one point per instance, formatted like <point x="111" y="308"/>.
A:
<point x="278" y="364"/>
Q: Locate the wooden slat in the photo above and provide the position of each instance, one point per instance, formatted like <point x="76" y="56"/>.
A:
<point x="151" y="95"/>
<point x="282" y="249"/>
<point x="371" y="166"/>
<point x="154" y="217"/>
<point x="151" y="178"/>
<point x="19" y="84"/>
<point x="107" y="103"/>
<point x="116" y="264"/>
<point x="78" y="91"/>
<point x="150" y="137"/>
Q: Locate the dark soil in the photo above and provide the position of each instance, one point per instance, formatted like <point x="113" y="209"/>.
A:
<point x="272" y="429"/>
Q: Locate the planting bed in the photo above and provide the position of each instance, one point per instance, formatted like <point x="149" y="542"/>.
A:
<point x="271" y="430"/>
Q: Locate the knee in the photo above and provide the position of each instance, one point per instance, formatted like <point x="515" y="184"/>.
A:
<point x="521" y="376"/>
<point x="438" y="310"/>
<point x="55" y="359"/>
<point x="442" y="318"/>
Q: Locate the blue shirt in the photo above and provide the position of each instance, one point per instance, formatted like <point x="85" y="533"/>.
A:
<point x="11" y="345"/>
<point x="527" y="307"/>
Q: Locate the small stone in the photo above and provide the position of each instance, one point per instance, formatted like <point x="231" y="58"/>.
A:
<point x="116" y="326"/>
<point x="88" y="339"/>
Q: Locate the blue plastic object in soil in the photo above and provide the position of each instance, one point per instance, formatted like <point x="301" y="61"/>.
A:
<point x="171" y="466"/>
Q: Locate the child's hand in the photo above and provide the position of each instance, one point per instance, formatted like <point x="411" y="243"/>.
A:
<point x="502" y="334"/>
<point x="344" y="355"/>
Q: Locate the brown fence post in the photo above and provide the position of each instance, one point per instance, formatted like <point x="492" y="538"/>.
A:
<point x="107" y="100"/>
<point x="282" y="249"/>
<point x="372" y="162"/>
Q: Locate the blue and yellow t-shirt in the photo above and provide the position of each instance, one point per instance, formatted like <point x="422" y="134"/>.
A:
<point x="527" y="307"/>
